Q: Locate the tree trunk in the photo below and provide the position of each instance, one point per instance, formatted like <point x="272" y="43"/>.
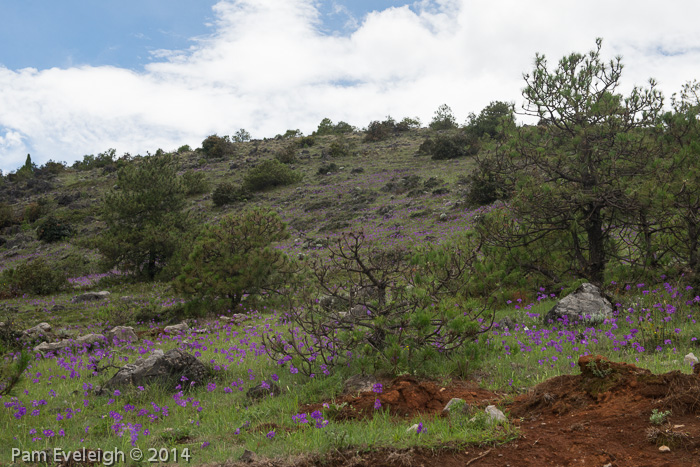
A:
<point x="596" y="246"/>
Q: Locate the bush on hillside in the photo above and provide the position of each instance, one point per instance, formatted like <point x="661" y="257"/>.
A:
<point x="53" y="230"/>
<point x="450" y="146"/>
<point x="194" y="183"/>
<point x="288" y="154"/>
<point x="34" y="276"/>
<point x="217" y="147"/>
<point x="269" y="174"/>
<point x="227" y="193"/>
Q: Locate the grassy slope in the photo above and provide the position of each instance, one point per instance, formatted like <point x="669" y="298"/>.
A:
<point x="506" y="361"/>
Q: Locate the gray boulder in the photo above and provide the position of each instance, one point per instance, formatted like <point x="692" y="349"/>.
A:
<point x="88" y="340"/>
<point x="90" y="296"/>
<point x="359" y="383"/>
<point x="266" y="388"/>
<point x="494" y="416"/>
<point x="163" y="368"/>
<point x="176" y="328"/>
<point x="41" y="329"/>
<point x="585" y="304"/>
<point x="121" y="333"/>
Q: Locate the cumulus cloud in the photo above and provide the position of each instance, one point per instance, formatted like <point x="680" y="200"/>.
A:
<point x="268" y="66"/>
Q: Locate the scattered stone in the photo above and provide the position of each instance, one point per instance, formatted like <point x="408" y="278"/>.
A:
<point x="494" y="415"/>
<point x="358" y="311"/>
<point x="88" y="340"/>
<point x="359" y="383"/>
<point x="690" y="359"/>
<point x="412" y="429"/>
<point x="166" y="368"/>
<point x="664" y="449"/>
<point x="330" y="303"/>
<point x="266" y="388"/>
<point x="121" y="333"/>
<point x="443" y="216"/>
<point x="90" y="296"/>
<point x="176" y="328"/>
<point x="247" y="456"/>
<point x="506" y="323"/>
<point x="455" y="404"/>
<point x="585" y="304"/>
<point x="236" y="318"/>
<point x="40" y="329"/>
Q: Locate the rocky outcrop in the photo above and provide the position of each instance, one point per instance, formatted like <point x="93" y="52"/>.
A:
<point x="90" y="296"/>
<point x="121" y="334"/>
<point x="585" y="305"/>
<point x="86" y="341"/>
<point x="171" y="369"/>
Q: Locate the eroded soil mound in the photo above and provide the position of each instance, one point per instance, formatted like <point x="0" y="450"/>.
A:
<point x="405" y="397"/>
<point x="598" y="418"/>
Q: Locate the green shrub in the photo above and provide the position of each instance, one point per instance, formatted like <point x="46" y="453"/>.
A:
<point x="450" y="146"/>
<point x="490" y="119"/>
<point x="53" y="230"/>
<point x="269" y="174"/>
<point x="378" y="131"/>
<point x="288" y="155"/>
<point x="194" y="183"/>
<point x="35" y="277"/>
<point x="7" y="215"/>
<point x="339" y="147"/>
<point x="306" y="141"/>
<point x="485" y="185"/>
<point x="326" y="127"/>
<point x="408" y="124"/>
<point x="443" y="119"/>
<point x="227" y="193"/>
<point x="184" y="148"/>
<point x="326" y="168"/>
<point x="217" y="147"/>
<point x="90" y="162"/>
<point x="234" y="257"/>
<point x="33" y="212"/>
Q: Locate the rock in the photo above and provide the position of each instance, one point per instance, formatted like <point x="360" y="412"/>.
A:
<point x="664" y="449"/>
<point x="40" y="329"/>
<point x="358" y="311"/>
<point x="87" y="340"/>
<point x="121" y="333"/>
<point x="690" y="359"/>
<point x="457" y="404"/>
<point x="329" y="303"/>
<point x="235" y="318"/>
<point x="90" y="296"/>
<point x="359" y="383"/>
<point x="176" y="328"/>
<point x="585" y="304"/>
<point x="165" y="368"/>
<point x="90" y="339"/>
<point x="412" y="429"/>
<point x="494" y="415"/>
<point x="266" y="388"/>
<point x="506" y="323"/>
<point x="247" y="456"/>
<point x="443" y="216"/>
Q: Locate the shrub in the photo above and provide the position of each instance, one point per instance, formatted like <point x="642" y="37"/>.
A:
<point x="269" y="174"/>
<point x="326" y="127"/>
<point x="217" y="147"/>
<point x="408" y="124"/>
<point x="485" y="185"/>
<point x="194" y="183"/>
<point x="326" y="168"/>
<point x="388" y="323"/>
<point x="452" y="146"/>
<point x="90" y="162"/>
<point x="51" y="167"/>
<point x="443" y="119"/>
<point x="53" y="230"/>
<point x="184" y="148"/>
<point x="234" y="257"/>
<point x="339" y="147"/>
<point x="378" y="131"/>
<point x="32" y="277"/>
<point x="32" y="212"/>
<point x="7" y="215"/>
<point x="227" y="193"/>
<point x="490" y="119"/>
<point x="241" y="136"/>
<point x="288" y="155"/>
<point x="306" y="141"/>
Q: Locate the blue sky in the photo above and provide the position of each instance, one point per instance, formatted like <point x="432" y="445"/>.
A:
<point x="81" y="76"/>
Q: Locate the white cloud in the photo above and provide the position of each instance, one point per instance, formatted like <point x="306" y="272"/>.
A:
<point x="268" y="67"/>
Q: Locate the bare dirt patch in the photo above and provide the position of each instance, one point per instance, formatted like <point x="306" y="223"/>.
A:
<point x="598" y="418"/>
